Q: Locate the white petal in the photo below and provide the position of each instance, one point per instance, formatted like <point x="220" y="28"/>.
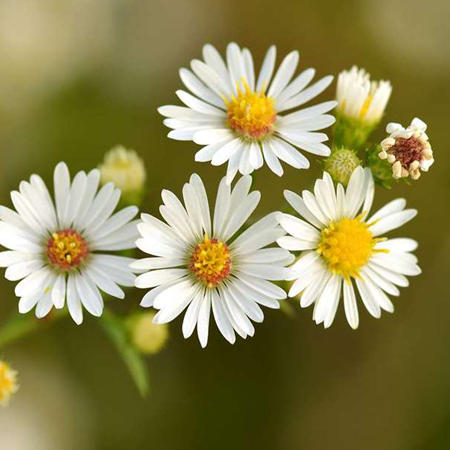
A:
<point x="263" y="286"/>
<point x="299" y="205"/>
<point x="308" y="94"/>
<point x="266" y="72"/>
<point x="355" y="194"/>
<point x="44" y="306"/>
<point x="369" y="301"/>
<point x="221" y="318"/>
<point x="176" y="305"/>
<point x="271" y="160"/>
<point x="203" y="320"/>
<point x="199" y="89"/>
<point x="350" y="306"/>
<point x="61" y="180"/>
<point x="157" y="277"/>
<point x="73" y="301"/>
<point x="392" y="207"/>
<point x="59" y="291"/>
<point x="226" y="152"/>
<point x="192" y="312"/>
<point x="89" y="295"/>
<point x="392" y="222"/>
<point x="22" y="269"/>
<point x="284" y="74"/>
<point x="214" y="136"/>
<point x="202" y="198"/>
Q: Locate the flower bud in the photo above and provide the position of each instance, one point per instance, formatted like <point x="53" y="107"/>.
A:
<point x="361" y="105"/>
<point x="341" y="164"/>
<point x="127" y="171"/>
<point x="148" y="337"/>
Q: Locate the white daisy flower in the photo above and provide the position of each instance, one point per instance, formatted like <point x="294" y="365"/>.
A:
<point x="198" y="265"/>
<point x="407" y="149"/>
<point x="237" y="115"/>
<point x="341" y="247"/>
<point x="360" y="98"/>
<point x="53" y="251"/>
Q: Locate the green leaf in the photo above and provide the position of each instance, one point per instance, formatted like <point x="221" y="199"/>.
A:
<point x="116" y="329"/>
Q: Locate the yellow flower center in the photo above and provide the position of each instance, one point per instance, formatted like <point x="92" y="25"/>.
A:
<point x="8" y="382"/>
<point x="66" y="249"/>
<point x="251" y="113"/>
<point x="346" y="246"/>
<point x="211" y="262"/>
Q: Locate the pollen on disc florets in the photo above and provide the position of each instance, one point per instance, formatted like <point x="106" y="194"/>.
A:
<point x="250" y="113"/>
<point x="346" y="246"/>
<point x="211" y="262"/>
<point x="341" y="164"/>
<point x="407" y="150"/>
<point x="66" y="249"/>
<point x="8" y="382"/>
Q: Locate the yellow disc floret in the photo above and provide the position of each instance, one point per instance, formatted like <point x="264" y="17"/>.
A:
<point x="346" y="246"/>
<point x="211" y="262"/>
<point x="251" y="114"/>
<point x="66" y="249"/>
<point x="365" y="107"/>
<point x="8" y="382"/>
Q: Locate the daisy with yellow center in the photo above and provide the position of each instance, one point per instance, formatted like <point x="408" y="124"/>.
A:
<point x="340" y="247"/>
<point x="242" y="119"/>
<point x="55" y="247"/>
<point x="198" y="266"/>
<point x="8" y="383"/>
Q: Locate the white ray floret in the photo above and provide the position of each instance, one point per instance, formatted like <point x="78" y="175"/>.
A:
<point x="242" y="119"/>
<point x="341" y="247"/>
<point x="56" y="248"/>
<point x="197" y="265"/>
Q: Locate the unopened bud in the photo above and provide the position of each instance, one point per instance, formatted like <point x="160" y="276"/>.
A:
<point x="341" y="164"/>
<point x="147" y="337"/>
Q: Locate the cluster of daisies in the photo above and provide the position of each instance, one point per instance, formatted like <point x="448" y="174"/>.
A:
<point x="68" y="250"/>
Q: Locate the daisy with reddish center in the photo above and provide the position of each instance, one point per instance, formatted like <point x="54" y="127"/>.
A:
<point x="56" y="251"/>
<point x="341" y="247"/>
<point x="237" y="116"/>
<point x="197" y="265"/>
<point x="407" y="149"/>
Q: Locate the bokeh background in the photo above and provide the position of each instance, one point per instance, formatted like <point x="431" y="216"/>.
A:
<point x="80" y="76"/>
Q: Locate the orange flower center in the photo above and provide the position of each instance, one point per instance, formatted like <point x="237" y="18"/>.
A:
<point x="66" y="249"/>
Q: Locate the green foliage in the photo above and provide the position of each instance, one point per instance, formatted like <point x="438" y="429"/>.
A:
<point x="117" y="330"/>
<point x="381" y="169"/>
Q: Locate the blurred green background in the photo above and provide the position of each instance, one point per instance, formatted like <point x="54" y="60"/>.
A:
<point x="79" y="76"/>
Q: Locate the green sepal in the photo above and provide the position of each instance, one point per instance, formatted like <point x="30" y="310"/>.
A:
<point x="352" y="133"/>
<point x="381" y="169"/>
